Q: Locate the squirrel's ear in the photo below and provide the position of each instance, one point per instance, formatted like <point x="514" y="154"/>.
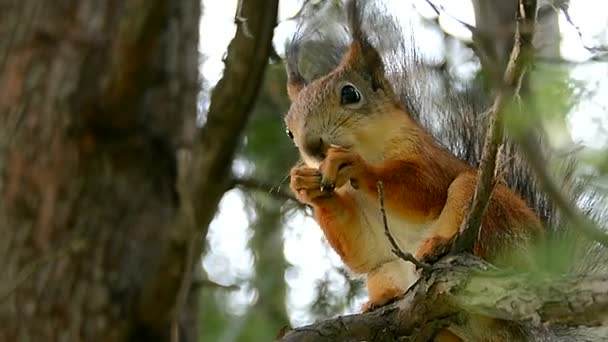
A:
<point x="295" y="80"/>
<point x="361" y="55"/>
<point x="295" y="83"/>
<point x="364" y="58"/>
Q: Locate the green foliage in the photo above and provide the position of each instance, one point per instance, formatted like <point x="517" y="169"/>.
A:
<point x="213" y="315"/>
<point x="552" y="94"/>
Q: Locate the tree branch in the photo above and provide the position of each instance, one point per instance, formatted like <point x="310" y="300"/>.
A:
<point x="450" y="294"/>
<point x="207" y="170"/>
<point x="509" y="89"/>
<point x="231" y="103"/>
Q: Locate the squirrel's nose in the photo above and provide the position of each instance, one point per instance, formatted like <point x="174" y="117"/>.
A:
<point x="315" y="147"/>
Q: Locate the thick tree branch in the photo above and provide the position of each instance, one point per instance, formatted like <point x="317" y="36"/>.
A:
<point x="463" y="288"/>
<point x="231" y="103"/>
<point x="521" y="298"/>
<point x="416" y="317"/>
<point x="207" y="168"/>
<point x="512" y="77"/>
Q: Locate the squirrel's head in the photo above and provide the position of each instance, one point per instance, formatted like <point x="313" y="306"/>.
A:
<point x="353" y="106"/>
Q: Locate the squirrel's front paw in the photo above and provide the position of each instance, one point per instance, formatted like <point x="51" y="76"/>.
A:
<point x="341" y="166"/>
<point x="305" y="182"/>
<point x="433" y="249"/>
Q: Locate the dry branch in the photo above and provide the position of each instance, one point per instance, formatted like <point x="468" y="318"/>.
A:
<point x="527" y="139"/>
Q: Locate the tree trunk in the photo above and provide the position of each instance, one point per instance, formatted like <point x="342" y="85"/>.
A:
<point x="95" y="96"/>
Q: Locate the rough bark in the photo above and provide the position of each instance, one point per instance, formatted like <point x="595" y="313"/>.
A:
<point x="95" y="239"/>
<point x="95" y="97"/>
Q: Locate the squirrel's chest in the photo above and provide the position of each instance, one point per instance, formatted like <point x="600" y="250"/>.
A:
<point x="373" y="247"/>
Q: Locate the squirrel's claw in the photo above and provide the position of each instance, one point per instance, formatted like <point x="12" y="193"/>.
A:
<point x="341" y="166"/>
<point x="305" y="182"/>
<point x="327" y="186"/>
<point x="433" y="249"/>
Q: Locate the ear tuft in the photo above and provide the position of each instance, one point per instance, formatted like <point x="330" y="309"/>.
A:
<point x="295" y="80"/>
<point x="362" y="55"/>
<point x="353" y="13"/>
<point x="318" y="44"/>
<point x="295" y="83"/>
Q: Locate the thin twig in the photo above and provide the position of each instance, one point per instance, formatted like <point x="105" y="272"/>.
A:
<point x="398" y="252"/>
<point x="439" y="9"/>
<point x="564" y="8"/>
<point x="502" y="163"/>
<point x="184" y="290"/>
<point x="469" y="230"/>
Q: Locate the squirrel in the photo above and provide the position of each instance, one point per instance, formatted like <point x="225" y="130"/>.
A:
<point x="352" y="130"/>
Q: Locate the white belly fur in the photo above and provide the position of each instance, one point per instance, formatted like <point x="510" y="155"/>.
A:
<point x="377" y="248"/>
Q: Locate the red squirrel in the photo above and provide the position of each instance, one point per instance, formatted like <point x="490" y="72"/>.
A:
<point x="352" y="131"/>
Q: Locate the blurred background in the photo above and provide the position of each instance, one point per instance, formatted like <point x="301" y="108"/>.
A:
<point x="271" y="254"/>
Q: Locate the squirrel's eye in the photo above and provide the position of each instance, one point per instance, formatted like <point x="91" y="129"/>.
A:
<point x="349" y="95"/>
<point x="289" y="134"/>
